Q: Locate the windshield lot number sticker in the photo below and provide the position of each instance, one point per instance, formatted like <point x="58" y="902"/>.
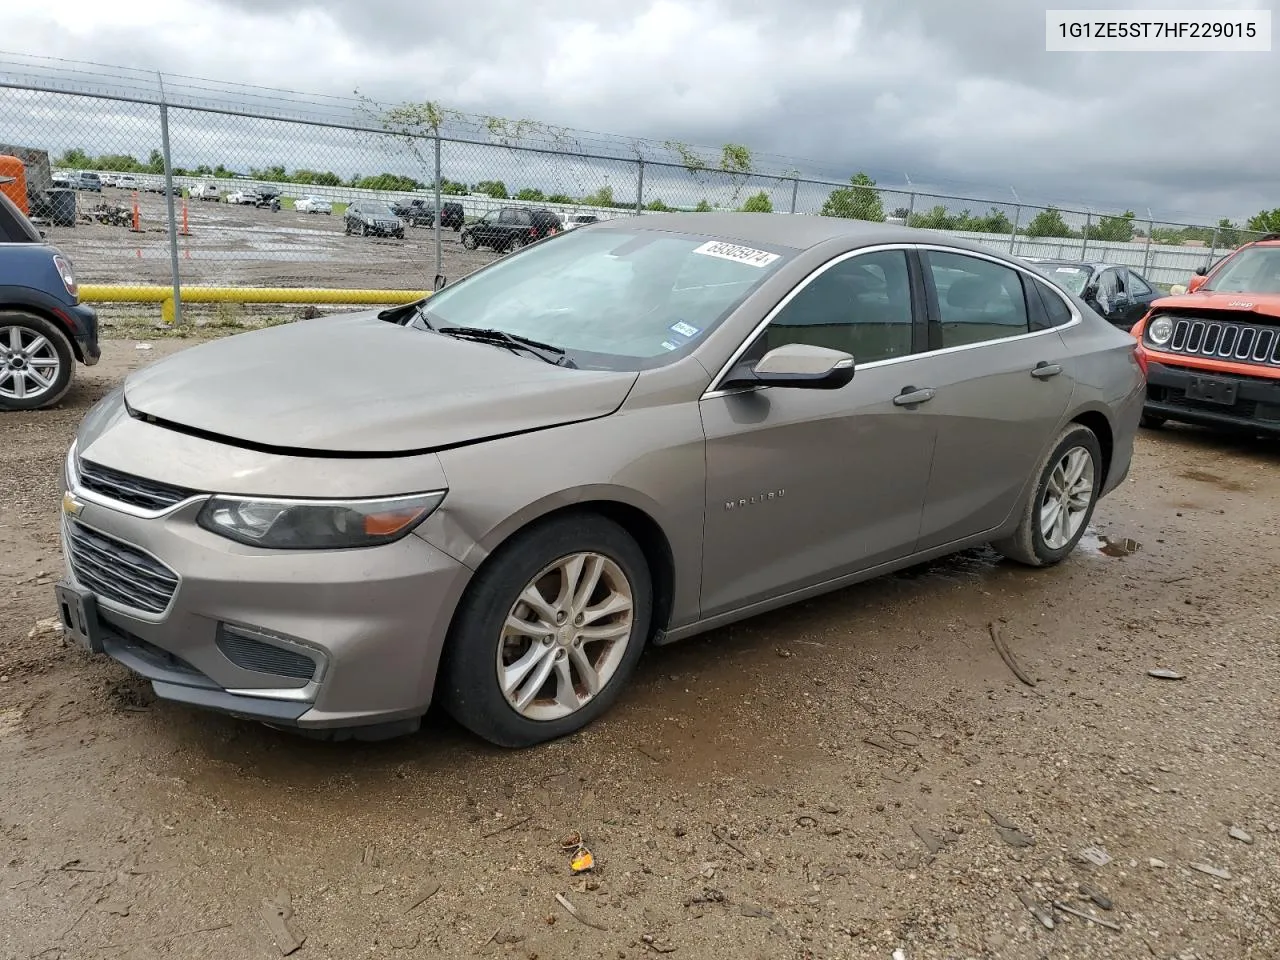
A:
<point x="684" y="329"/>
<point x="731" y="251"/>
<point x="668" y="345"/>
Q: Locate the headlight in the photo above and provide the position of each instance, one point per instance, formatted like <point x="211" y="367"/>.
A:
<point x="316" y="524"/>
<point x="1160" y="331"/>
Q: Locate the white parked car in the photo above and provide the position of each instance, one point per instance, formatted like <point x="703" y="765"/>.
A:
<point x="206" y="191"/>
<point x="245" y="197"/>
<point x="127" y="181"/>
<point x="313" y="204"/>
<point x="572" y="220"/>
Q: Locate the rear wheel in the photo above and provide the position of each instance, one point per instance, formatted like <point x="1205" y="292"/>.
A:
<point x="1061" y="504"/>
<point x="549" y="632"/>
<point x="36" y="362"/>
<point x="469" y="241"/>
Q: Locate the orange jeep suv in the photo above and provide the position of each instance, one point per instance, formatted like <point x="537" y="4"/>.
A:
<point x="1213" y="353"/>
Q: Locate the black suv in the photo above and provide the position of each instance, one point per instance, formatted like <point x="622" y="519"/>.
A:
<point x="372" y="218"/>
<point x="510" y="228"/>
<point x="422" y="213"/>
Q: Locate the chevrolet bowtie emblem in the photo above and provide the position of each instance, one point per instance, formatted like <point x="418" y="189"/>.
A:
<point x="70" y="505"/>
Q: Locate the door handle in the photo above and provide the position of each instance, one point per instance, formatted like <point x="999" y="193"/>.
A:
<point x="1043" y="370"/>
<point x="910" y="396"/>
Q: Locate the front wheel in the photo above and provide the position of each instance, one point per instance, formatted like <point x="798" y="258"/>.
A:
<point x="548" y="633"/>
<point x="36" y="362"/>
<point x="1058" y="511"/>
<point x="469" y="241"/>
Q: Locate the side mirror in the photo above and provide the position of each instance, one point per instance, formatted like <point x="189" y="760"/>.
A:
<point x="440" y="282"/>
<point x="1198" y="281"/>
<point x="796" y="365"/>
<point x="1202" y="270"/>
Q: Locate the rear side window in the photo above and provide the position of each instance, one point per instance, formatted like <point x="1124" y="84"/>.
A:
<point x="978" y="300"/>
<point x="1055" y="308"/>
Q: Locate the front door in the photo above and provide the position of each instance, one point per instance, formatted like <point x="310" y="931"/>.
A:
<point x="804" y="486"/>
<point x="1002" y="383"/>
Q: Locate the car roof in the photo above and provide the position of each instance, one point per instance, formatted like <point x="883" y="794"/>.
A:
<point x="799" y="232"/>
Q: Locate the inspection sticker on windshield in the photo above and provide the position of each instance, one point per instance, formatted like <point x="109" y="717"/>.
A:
<point x="684" y="329"/>
<point x="668" y="345"/>
<point x="731" y="251"/>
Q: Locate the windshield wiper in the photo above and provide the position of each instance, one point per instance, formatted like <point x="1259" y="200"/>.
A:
<point x="503" y="339"/>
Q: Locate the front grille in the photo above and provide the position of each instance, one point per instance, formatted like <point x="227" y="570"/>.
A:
<point x="249" y="653"/>
<point x="126" y="488"/>
<point x="1224" y="340"/>
<point x="118" y="572"/>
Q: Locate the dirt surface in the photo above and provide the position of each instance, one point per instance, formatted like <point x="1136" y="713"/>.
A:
<point x="251" y="247"/>
<point x="825" y="781"/>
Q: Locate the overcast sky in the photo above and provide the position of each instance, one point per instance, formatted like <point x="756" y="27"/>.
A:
<point x="950" y="93"/>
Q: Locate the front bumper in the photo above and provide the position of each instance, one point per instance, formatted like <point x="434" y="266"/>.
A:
<point x="373" y="620"/>
<point x="1256" y="406"/>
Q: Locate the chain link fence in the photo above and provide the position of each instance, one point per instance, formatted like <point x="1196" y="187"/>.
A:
<point x="143" y="179"/>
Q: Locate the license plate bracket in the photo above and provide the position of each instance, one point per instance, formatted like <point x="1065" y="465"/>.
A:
<point x="78" y="611"/>
<point x="1212" y="390"/>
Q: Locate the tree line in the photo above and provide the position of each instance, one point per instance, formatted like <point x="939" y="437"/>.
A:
<point x="860" y="200"/>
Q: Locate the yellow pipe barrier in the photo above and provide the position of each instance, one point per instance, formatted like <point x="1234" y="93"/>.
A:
<point x="104" y="293"/>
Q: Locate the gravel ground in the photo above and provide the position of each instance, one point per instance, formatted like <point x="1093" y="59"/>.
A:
<point x="849" y="777"/>
<point x="246" y="246"/>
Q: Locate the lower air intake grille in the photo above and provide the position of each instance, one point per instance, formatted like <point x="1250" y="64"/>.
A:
<point x="116" y="571"/>
<point x="249" y="653"/>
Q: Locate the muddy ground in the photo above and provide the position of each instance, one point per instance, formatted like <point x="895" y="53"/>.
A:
<point x="246" y="246"/>
<point x="823" y="781"/>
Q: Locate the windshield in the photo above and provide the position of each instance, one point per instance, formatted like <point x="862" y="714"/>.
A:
<point x="1255" y="270"/>
<point x="611" y="299"/>
<point x="1072" y="277"/>
<point x="377" y="210"/>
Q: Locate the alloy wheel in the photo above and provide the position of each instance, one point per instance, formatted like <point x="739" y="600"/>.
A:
<point x="1068" y="494"/>
<point x="565" y="636"/>
<point x="29" y="364"/>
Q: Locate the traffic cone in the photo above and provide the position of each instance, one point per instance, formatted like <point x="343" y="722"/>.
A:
<point x="186" y="229"/>
<point x="137" y="214"/>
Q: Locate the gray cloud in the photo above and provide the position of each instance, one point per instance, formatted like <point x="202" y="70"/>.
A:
<point x="961" y="96"/>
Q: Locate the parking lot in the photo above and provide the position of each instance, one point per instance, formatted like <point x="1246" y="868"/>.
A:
<point x="247" y="246"/>
<point x="852" y="776"/>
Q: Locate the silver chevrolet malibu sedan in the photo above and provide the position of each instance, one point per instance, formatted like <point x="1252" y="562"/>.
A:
<point x="622" y="435"/>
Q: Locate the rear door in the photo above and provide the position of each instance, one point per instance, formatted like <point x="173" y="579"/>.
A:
<point x="1002" y="382"/>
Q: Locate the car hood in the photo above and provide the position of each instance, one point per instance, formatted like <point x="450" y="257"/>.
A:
<point x="355" y="385"/>
<point x="1266" y="304"/>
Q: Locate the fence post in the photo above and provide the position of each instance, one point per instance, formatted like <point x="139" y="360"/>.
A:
<point x="640" y="187"/>
<point x="911" y="208"/>
<point x="1146" y="250"/>
<point x="1013" y="234"/>
<point x="435" y="284"/>
<point x="168" y="202"/>
<point x="795" y="189"/>
<point x="1088" y="225"/>
<point x="1213" y="248"/>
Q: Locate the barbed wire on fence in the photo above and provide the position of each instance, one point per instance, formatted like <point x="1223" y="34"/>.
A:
<point x="327" y="154"/>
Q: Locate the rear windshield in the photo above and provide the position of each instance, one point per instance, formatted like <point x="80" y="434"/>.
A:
<point x="14" y="225"/>
<point x="1253" y="270"/>
<point x="1072" y="277"/>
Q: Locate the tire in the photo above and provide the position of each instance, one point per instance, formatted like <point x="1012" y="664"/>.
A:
<point x="1150" y="421"/>
<point x="39" y="341"/>
<point x="1028" y="544"/>
<point x="364" y="229"/>
<point x="469" y="686"/>
<point x="469" y="241"/>
<point x="346" y="227"/>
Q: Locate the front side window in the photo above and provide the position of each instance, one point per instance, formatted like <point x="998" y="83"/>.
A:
<point x="978" y="300"/>
<point x="612" y="299"/>
<point x="1252" y="270"/>
<point x="860" y="306"/>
